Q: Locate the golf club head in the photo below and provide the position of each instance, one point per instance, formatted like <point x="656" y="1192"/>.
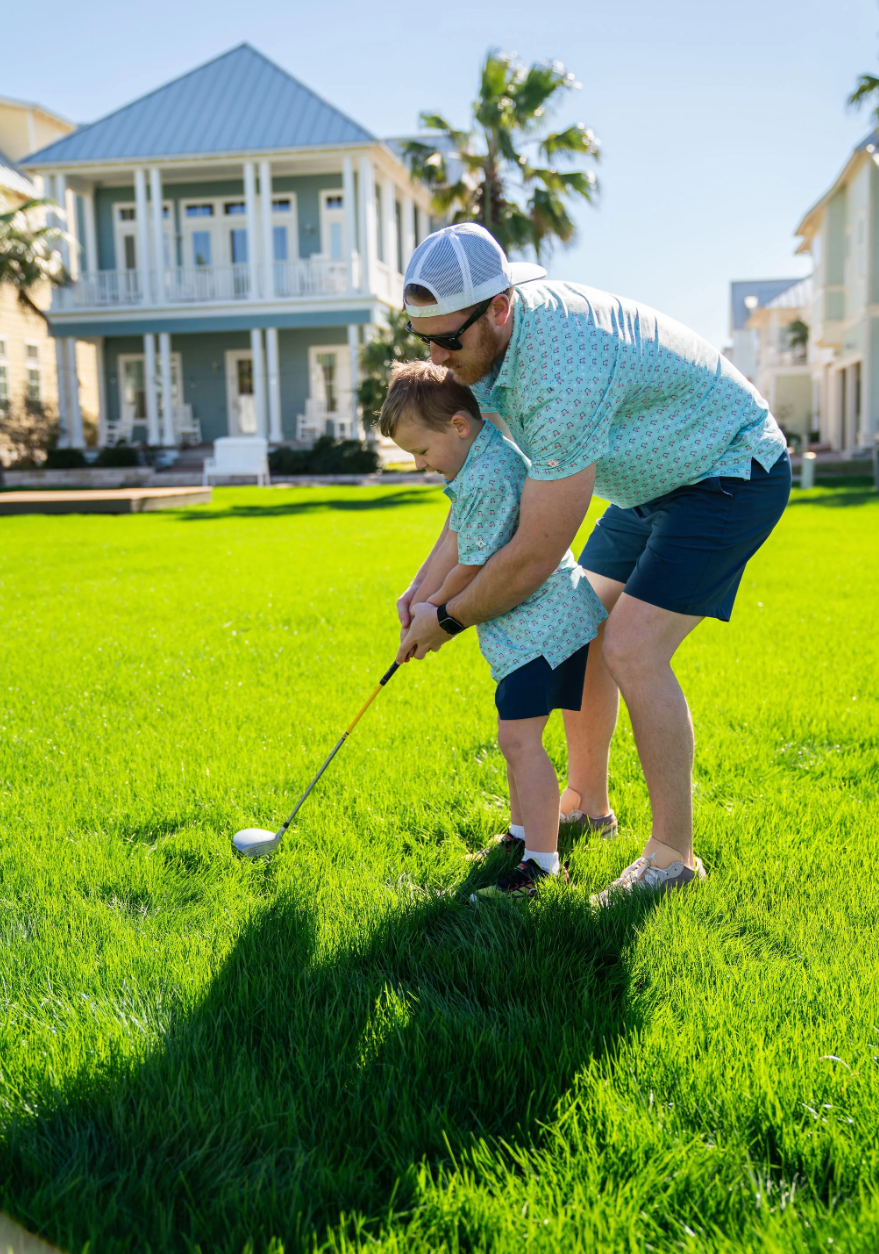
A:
<point x="254" y="842"/>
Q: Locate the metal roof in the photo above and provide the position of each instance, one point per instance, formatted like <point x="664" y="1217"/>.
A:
<point x="796" y="297"/>
<point x="764" y="289"/>
<point x="238" y="102"/>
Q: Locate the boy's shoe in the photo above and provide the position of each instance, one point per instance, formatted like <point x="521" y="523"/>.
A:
<point x="506" y="841"/>
<point x="644" y="876"/>
<point x="578" y="821"/>
<point x="519" y="885"/>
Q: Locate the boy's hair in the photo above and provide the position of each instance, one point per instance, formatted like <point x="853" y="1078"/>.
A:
<point x="427" y="393"/>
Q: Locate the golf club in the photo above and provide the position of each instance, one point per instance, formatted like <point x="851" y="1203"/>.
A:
<point x="254" y="842"/>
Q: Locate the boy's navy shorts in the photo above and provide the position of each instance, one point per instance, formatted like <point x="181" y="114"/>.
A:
<point x="536" y="689"/>
<point x="686" y="551"/>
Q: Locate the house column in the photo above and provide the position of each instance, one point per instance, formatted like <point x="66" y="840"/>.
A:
<point x="367" y="221"/>
<point x="354" y="367"/>
<point x="423" y="225"/>
<point x="276" y="432"/>
<point x="102" y="391"/>
<point x="169" y="437"/>
<point x="408" y="230"/>
<point x="252" y="241"/>
<point x="158" y="235"/>
<point x="75" y="245"/>
<point x="389" y="225"/>
<point x="61" y="380"/>
<point x="350" y="221"/>
<point x="149" y="383"/>
<point x="91" y="234"/>
<point x="76" y="436"/>
<point x="143" y="237"/>
<point x="268" y="252"/>
<point x="259" y="379"/>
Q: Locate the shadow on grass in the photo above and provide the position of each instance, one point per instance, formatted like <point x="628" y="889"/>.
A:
<point x="856" y="492"/>
<point x="309" y="1085"/>
<point x="279" y="509"/>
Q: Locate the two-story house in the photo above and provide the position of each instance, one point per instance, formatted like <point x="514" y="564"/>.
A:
<point x="29" y="363"/>
<point x="841" y="232"/>
<point x="234" y="239"/>
<point x="786" y="359"/>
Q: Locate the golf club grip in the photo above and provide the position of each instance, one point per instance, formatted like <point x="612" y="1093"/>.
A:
<point x="389" y="674"/>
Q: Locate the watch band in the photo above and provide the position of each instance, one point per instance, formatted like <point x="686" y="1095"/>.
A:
<point x="449" y="624"/>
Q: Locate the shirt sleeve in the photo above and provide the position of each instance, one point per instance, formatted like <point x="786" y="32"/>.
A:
<point x="487" y="520"/>
<point x="563" y="438"/>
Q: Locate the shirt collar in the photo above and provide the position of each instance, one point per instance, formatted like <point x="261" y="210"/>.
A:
<point x="479" y="446"/>
<point x="507" y="371"/>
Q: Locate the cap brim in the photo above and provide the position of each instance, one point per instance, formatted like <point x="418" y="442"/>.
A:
<point x="525" y="272"/>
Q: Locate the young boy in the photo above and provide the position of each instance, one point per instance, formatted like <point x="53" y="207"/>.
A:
<point x="537" y="651"/>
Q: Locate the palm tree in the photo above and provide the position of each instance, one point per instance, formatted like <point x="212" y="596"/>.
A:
<point x="29" y="257"/>
<point x="391" y="344"/>
<point x="509" y="180"/>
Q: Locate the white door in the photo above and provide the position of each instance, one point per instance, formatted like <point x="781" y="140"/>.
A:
<point x="330" y="403"/>
<point x="240" y="403"/>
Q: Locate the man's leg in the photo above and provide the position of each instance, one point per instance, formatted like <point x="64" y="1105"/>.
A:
<point x="590" y="729"/>
<point x="639" y="642"/>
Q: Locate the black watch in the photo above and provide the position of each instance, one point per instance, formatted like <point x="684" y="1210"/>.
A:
<point x="449" y="625"/>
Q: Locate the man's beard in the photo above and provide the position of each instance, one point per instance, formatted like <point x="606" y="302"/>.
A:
<point x="480" y="357"/>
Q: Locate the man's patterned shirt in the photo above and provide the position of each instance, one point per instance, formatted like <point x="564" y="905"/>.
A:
<point x="564" y="613"/>
<point x="588" y="377"/>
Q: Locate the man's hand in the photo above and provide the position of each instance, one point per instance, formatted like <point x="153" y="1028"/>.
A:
<point x="425" y="634"/>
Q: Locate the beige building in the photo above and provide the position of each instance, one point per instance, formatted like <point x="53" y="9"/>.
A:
<point x="841" y="232"/>
<point x="29" y="355"/>
<point x="784" y="363"/>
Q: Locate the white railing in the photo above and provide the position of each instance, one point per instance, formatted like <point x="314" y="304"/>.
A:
<point x="318" y="420"/>
<point x="313" y="276"/>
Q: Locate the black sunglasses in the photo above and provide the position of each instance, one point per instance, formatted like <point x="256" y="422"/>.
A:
<point x="453" y="341"/>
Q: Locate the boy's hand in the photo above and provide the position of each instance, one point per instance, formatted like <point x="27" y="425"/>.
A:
<point x="403" y="607"/>
<point x="424" y="636"/>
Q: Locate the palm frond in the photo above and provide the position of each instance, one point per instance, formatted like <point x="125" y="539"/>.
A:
<point x="868" y="85"/>
<point x="574" y="139"/>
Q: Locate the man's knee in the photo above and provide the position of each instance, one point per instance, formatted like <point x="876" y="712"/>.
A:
<point x="626" y="653"/>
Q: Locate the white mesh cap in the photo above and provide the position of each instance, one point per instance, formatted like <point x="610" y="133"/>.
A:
<point x="462" y="265"/>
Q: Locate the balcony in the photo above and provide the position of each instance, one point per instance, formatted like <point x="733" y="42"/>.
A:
<point x="206" y="285"/>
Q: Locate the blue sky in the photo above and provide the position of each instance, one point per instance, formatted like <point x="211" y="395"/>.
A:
<point x="720" y="123"/>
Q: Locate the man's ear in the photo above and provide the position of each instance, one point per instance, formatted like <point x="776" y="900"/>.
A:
<point x="501" y="308"/>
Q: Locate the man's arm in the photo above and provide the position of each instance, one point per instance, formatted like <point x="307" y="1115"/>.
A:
<point x="550" y="515"/>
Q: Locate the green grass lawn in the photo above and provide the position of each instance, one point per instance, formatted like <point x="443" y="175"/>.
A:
<point x="329" y="1049"/>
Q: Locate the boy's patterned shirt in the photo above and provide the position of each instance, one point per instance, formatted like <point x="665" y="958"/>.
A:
<point x="588" y="377"/>
<point x="564" y="613"/>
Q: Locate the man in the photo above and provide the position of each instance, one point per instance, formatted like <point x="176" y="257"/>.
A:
<point x="609" y="396"/>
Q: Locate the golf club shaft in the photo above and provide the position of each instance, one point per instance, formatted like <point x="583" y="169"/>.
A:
<point x="338" y="745"/>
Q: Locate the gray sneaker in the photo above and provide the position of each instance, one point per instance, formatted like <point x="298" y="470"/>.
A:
<point x="644" y="876"/>
<point x="578" y="821"/>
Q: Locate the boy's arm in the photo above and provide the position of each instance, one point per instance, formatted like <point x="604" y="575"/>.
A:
<point x="455" y="579"/>
<point x="443" y="560"/>
<point x="409" y="597"/>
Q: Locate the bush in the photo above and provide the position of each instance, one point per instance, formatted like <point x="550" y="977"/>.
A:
<point x="326" y="457"/>
<point x="116" y="455"/>
<point x="65" y="459"/>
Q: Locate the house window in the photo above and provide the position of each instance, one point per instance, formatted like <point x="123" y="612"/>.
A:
<point x="132" y="385"/>
<point x="332" y="225"/>
<point x="201" y="248"/>
<point x="34" y="381"/>
<point x="4" y="378"/>
<point x="126" y="215"/>
<point x="280" y="206"/>
<point x="199" y="211"/>
<point x="327" y="366"/>
<point x="235" y="207"/>
<point x="238" y="247"/>
<point x="130" y="254"/>
<point x="279" y="243"/>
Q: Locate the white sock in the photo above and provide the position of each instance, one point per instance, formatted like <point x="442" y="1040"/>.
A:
<point x="517" y="830"/>
<point x="548" y="861"/>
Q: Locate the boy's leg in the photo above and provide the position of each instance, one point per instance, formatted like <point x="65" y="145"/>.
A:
<point x="516" y="819"/>
<point x="534" y="779"/>
<point x="590" y="729"/>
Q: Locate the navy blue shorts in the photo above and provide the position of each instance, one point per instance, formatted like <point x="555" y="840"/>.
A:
<point x="686" y="551"/>
<point x="536" y="689"/>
